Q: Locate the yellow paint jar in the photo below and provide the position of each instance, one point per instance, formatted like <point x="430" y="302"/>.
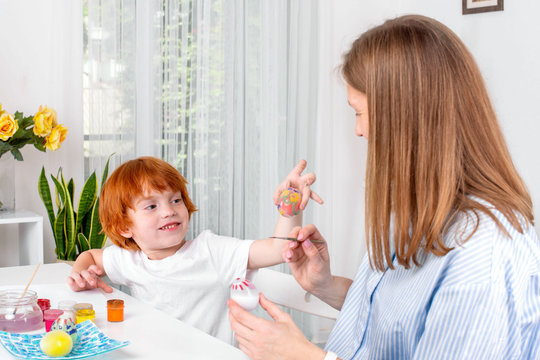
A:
<point x="85" y="314"/>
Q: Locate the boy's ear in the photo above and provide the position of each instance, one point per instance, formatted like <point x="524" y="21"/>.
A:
<point x="126" y="233"/>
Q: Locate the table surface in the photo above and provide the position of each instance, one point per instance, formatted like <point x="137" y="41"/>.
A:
<point x="152" y="334"/>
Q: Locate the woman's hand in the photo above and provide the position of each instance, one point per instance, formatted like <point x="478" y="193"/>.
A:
<point x="265" y="339"/>
<point x="301" y="182"/>
<point x="88" y="279"/>
<point x="309" y="261"/>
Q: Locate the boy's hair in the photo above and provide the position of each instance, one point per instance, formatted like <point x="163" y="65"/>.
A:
<point x="129" y="181"/>
<point x="434" y="139"/>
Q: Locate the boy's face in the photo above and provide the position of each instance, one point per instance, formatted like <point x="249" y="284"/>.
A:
<point x="159" y="223"/>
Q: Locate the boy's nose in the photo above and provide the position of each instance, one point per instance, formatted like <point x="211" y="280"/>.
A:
<point x="168" y="211"/>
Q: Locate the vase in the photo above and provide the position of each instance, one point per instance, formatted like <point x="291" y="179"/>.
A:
<point x="7" y="182"/>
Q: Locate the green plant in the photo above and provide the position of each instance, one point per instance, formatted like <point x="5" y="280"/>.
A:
<point x="74" y="231"/>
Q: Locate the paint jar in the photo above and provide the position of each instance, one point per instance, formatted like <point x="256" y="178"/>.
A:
<point x="18" y="312"/>
<point x="44" y="304"/>
<point x="82" y="306"/>
<point x="68" y="306"/>
<point x="85" y="314"/>
<point x="115" y="310"/>
<point x="50" y="316"/>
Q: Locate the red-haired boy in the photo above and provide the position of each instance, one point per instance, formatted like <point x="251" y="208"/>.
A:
<point x="145" y="210"/>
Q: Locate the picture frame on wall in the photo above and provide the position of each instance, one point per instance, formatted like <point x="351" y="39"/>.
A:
<point x="480" y="6"/>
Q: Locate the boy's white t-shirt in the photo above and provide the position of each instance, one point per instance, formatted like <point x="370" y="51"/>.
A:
<point x="192" y="285"/>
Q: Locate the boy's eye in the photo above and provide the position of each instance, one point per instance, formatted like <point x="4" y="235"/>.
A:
<point x="177" y="201"/>
<point x="150" y="207"/>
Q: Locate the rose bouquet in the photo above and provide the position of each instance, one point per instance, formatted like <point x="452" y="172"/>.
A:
<point x="41" y="130"/>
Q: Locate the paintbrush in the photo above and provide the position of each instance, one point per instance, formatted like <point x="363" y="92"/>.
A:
<point x="295" y="239"/>
<point x="24" y="292"/>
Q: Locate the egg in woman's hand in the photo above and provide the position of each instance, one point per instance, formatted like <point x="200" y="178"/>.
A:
<point x="245" y="294"/>
<point x="56" y="343"/>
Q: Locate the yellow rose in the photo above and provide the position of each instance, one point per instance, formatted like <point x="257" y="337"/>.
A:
<point x="8" y="126"/>
<point x="44" y="121"/>
<point x="1" y="111"/>
<point x="56" y="137"/>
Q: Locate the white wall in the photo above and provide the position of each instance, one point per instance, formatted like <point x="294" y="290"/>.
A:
<point x="506" y="47"/>
<point x="41" y="63"/>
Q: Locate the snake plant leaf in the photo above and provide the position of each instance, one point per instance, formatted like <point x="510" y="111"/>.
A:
<point x="84" y="244"/>
<point x="60" y="193"/>
<point x="86" y="200"/>
<point x="45" y="195"/>
<point x="105" y="172"/>
<point x="59" y="235"/>
<point x="71" y="233"/>
<point x="71" y="188"/>
<point x="96" y="239"/>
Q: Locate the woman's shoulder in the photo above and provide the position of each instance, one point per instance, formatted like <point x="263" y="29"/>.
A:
<point x="487" y="247"/>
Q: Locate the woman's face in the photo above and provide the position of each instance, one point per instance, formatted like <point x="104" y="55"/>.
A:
<point x="358" y="101"/>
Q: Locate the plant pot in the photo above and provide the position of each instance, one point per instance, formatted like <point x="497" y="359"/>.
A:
<point x="69" y="262"/>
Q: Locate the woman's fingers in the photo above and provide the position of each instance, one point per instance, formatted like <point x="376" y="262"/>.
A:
<point x="272" y="309"/>
<point x="244" y="318"/>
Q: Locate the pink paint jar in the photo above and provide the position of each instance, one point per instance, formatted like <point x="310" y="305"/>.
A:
<point x="49" y="316"/>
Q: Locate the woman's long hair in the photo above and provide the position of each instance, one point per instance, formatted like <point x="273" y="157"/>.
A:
<point x="434" y="139"/>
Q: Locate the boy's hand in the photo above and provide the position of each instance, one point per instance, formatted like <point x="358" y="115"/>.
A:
<point x="88" y="279"/>
<point x="301" y="182"/>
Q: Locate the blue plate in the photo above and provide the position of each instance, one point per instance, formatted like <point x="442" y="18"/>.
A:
<point x="90" y="342"/>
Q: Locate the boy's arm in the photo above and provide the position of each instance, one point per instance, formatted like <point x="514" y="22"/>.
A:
<point x="267" y="252"/>
<point x="87" y="271"/>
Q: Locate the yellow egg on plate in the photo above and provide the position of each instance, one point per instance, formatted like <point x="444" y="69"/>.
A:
<point x="56" y="343"/>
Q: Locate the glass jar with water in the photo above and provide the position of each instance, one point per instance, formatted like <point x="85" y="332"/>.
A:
<point x="18" y="312"/>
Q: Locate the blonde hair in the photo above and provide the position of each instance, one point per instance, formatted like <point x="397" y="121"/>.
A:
<point x="434" y="139"/>
<point x="129" y="181"/>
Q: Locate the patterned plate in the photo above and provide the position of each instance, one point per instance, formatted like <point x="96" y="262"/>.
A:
<point x="91" y="341"/>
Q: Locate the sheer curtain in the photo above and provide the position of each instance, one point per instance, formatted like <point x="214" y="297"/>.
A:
<point x="226" y="91"/>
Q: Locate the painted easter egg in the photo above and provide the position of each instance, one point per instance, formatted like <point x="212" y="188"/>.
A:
<point x="245" y="294"/>
<point x="56" y="343"/>
<point x="289" y="202"/>
<point x="65" y="324"/>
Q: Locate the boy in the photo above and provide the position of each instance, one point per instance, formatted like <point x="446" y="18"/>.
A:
<point x="145" y="210"/>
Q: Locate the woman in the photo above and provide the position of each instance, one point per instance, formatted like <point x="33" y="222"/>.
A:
<point x="453" y="264"/>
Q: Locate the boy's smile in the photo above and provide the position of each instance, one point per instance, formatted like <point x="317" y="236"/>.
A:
<point x="159" y="223"/>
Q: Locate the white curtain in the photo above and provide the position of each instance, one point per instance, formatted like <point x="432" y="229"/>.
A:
<point x="224" y="90"/>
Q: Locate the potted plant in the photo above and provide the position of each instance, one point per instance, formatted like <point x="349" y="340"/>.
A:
<point x="75" y="229"/>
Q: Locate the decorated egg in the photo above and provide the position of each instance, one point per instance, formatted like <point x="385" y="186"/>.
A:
<point x="245" y="294"/>
<point x="56" y="343"/>
<point x="289" y="202"/>
<point x="65" y="324"/>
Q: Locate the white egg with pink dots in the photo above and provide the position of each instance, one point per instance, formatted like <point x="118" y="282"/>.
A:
<point x="245" y="294"/>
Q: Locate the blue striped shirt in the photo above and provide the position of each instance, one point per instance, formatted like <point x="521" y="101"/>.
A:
<point x="480" y="301"/>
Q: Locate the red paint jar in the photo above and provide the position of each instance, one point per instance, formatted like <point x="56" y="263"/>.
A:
<point x="44" y="304"/>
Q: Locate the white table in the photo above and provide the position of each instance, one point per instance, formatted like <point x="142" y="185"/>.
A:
<point x="152" y="334"/>
<point x="30" y="234"/>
